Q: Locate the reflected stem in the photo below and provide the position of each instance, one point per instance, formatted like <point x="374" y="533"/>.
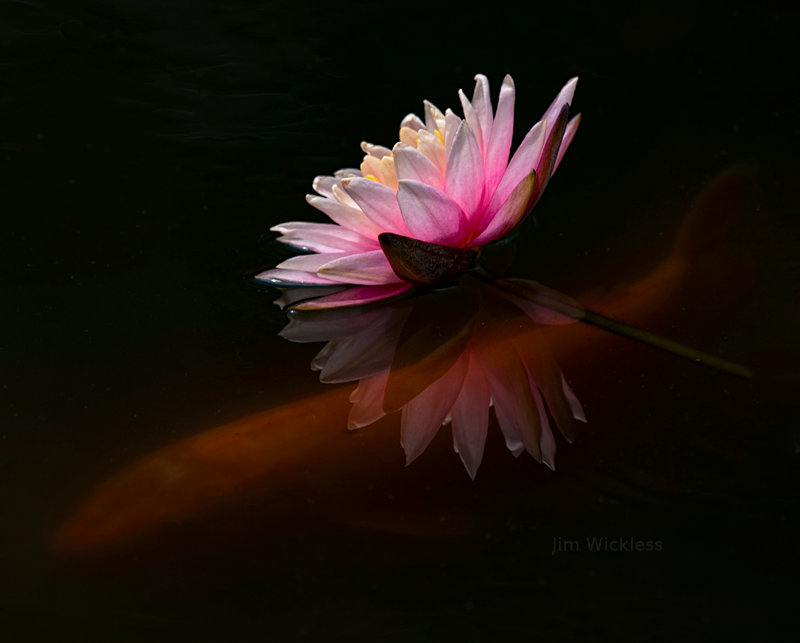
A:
<point x="579" y="313"/>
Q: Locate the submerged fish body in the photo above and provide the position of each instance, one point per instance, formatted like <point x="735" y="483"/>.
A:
<point x="300" y="449"/>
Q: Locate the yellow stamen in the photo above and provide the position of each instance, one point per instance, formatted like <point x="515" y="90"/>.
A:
<point x="439" y="134"/>
<point x="372" y="176"/>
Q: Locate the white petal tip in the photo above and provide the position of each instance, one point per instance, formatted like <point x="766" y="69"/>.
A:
<point x="570" y="87"/>
<point x="410" y="457"/>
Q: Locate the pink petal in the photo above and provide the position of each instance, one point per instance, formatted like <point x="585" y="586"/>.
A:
<point x="523" y="162"/>
<point x="322" y="237"/>
<point x="378" y="151"/>
<point x="470" y="417"/>
<point x="367" y="268"/>
<point x="474" y="122"/>
<point x="430" y="214"/>
<point x="569" y="134"/>
<point x="502" y="132"/>
<point x="324" y="185"/>
<point x="510" y="213"/>
<point x="347" y="172"/>
<point x="453" y="123"/>
<point x="433" y="117"/>
<point x="430" y="145"/>
<point x="379" y="203"/>
<point x="412" y="121"/>
<point x="280" y="277"/>
<point x="371" y="168"/>
<point x="346" y="216"/>
<point x="356" y="296"/>
<point x="564" y="98"/>
<point x="310" y="263"/>
<point x="482" y="103"/>
<point x="343" y="197"/>
<point x="464" y="175"/>
<point x="410" y="163"/>
<point x="423" y="415"/>
<point x="547" y="160"/>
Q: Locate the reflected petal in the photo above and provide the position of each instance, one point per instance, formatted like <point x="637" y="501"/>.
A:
<point x="514" y="404"/>
<point x="470" y="417"/>
<point x="423" y="415"/>
<point x="367" y="399"/>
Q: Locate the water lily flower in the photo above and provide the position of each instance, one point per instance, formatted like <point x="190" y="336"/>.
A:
<point x="420" y="212"/>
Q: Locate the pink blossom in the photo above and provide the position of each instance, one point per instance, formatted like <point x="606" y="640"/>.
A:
<point x="421" y="211"/>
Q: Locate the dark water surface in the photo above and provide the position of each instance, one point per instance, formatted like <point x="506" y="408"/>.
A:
<point x="148" y="147"/>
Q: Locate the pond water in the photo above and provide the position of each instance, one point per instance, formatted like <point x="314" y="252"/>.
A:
<point x="175" y="468"/>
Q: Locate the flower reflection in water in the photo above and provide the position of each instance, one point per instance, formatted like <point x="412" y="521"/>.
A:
<point x="447" y="356"/>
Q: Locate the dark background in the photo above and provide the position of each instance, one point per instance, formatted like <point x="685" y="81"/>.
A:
<point x="146" y="149"/>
